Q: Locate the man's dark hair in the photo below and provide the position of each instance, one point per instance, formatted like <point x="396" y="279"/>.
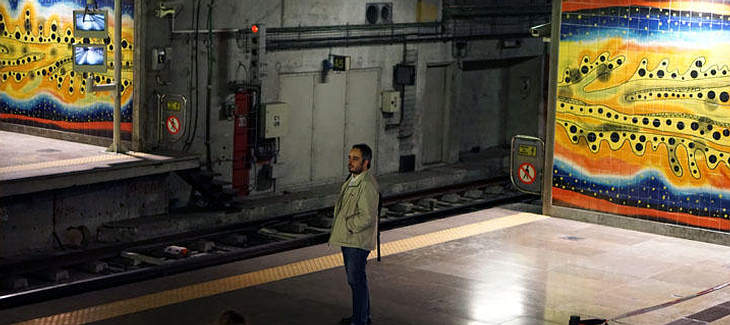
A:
<point x="367" y="153"/>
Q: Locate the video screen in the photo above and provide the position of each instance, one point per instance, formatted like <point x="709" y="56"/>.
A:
<point x="90" y="23"/>
<point x="89" y="55"/>
<point x="89" y="58"/>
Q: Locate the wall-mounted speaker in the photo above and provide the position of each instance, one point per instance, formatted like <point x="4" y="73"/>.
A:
<point x="379" y="13"/>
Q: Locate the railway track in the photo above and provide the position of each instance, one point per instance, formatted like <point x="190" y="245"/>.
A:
<point x="49" y="277"/>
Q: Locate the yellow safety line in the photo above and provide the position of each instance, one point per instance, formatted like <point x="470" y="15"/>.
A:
<point x="63" y="163"/>
<point x="214" y="287"/>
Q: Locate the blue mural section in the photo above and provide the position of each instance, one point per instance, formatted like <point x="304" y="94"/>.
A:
<point x="647" y="189"/>
<point x="643" y="24"/>
<point x="61" y="116"/>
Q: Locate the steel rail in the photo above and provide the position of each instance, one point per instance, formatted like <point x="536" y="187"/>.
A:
<point x="44" y="293"/>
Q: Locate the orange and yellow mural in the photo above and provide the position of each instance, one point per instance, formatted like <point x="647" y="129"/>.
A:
<point x="643" y="110"/>
<point x="38" y="86"/>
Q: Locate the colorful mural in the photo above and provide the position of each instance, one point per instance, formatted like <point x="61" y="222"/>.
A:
<point x="643" y="110"/>
<point x="38" y="86"/>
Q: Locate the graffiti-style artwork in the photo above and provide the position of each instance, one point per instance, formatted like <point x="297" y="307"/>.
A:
<point x="38" y="86"/>
<point x="643" y="110"/>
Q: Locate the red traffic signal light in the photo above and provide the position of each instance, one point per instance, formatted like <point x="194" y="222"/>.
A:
<point x="254" y="28"/>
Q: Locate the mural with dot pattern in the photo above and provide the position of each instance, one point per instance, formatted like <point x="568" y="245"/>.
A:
<point x="38" y="86"/>
<point x="643" y="110"/>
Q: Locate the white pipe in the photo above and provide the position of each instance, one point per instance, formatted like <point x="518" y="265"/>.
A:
<point x="116" y="140"/>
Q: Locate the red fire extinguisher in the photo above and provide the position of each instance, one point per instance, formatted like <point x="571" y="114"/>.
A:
<point x="240" y="143"/>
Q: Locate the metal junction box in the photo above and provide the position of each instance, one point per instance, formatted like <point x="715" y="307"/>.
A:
<point x="276" y="116"/>
<point x="391" y="101"/>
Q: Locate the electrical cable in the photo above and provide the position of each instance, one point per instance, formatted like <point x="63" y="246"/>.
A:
<point x="189" y="117"/>
<point x="55" y="234"/>
<point x="209" y="86"/>
<point x="254" y="120"/>
<point x="197" y="71"/>
<point x="245" y="71"/>
<point x="157" y="95"/>
<point x="252" y="185"/>
<point x="403" y="88"/>
<point x="190" y="141"/>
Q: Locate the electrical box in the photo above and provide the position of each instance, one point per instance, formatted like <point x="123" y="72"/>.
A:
<point x="161" y="57"/>
<point x="391" y="101"/>
<point x="276" y="116"/>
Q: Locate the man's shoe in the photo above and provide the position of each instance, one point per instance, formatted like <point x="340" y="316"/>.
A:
<point x="348" y="321"/>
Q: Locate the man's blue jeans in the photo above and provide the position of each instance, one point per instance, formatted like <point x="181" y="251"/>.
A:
<point x="355" y="261"/>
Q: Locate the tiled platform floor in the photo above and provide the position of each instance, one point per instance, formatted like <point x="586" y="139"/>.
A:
<point x="539" y="272"/>
<point x="31" y="156"/>
<point x="23" y="150"/>
<point x="28" y="162"/>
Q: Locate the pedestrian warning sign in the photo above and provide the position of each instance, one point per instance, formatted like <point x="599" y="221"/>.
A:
<point x="527" y="173"/>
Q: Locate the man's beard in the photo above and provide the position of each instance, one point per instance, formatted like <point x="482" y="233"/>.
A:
<point x="355" y="171"/>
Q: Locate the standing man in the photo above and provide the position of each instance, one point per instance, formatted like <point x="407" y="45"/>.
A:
<point x="355" y="228"/>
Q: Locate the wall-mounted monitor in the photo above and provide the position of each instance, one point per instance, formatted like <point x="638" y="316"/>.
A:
<point x="91" y="23"/>
<point x="89" y="58"/>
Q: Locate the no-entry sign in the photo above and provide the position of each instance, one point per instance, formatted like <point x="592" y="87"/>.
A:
<point x="173" y="125"/>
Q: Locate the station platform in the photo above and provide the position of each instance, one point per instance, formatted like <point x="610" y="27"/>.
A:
<point x="32" y="164"/>
<point x="61" y="176"/>
<point x="484" y="166"/>
<point x="48" y="187"/>
<point x="503" y="265"/>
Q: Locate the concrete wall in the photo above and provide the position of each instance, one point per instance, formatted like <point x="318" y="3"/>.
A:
<point x="28" y="222"/>
<point x="524" y="98"/>
<point x="480" y="101"/>
<point x="231" y="60"/>
<point x="499" y="99"/>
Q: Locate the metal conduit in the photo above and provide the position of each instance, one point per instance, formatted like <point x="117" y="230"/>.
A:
<point x="289" y="38"/>
<point x="478" y="11"/>
<point x="303" y="37"/>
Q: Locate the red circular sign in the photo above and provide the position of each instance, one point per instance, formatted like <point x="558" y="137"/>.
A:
<point x="527" y="173"/>
<point x="173" y="125"/>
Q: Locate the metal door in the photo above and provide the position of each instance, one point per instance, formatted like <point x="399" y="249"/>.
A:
<point x="361" y="118"/>
<point x="295" y="158"/>
<point x="329" y="128"/>
<point x="326" y="120"/>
